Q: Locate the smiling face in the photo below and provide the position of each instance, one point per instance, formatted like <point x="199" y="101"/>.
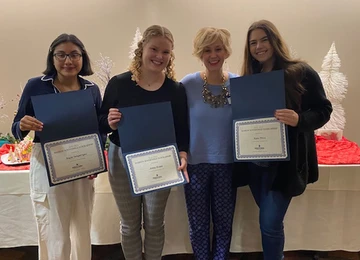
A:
<point x="214" y="56"/>
<point x="260" y="47"/>
<point x="72" y="64"/>
<point x="156" y="54"/>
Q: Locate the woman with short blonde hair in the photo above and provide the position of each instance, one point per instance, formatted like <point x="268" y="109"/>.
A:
<point x="210" y="158"/>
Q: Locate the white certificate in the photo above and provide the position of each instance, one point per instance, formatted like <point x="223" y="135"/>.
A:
<point x="260" y="139"/>
<point x="74" y="158"/>
<point x="154" y="169"/>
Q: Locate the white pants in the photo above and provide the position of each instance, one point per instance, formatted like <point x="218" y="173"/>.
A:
<point x="62" y="212"/>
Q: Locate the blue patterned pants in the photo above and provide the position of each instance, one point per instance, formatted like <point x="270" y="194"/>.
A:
<point x="210" y="191"/>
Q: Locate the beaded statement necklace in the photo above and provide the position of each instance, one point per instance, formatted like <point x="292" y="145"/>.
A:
<point x="215" y="101"/>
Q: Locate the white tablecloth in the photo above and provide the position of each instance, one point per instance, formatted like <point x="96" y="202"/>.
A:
<point x="325" y="217"/>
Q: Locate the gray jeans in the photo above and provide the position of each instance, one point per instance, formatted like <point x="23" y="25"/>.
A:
<point x="133" y="209"/>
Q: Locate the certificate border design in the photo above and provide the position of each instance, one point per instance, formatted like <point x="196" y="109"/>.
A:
<point x="49" y="158"/>
<point x="139" y="190"/>
<point x="282" y="155"/>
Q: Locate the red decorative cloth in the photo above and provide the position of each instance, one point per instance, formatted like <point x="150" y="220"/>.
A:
<point x="4" y="149"/>
<point x="329" y="152"/>
<point x="337" y="152"/>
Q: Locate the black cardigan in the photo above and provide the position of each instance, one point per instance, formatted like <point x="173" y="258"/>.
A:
<point x="293" y="176"/>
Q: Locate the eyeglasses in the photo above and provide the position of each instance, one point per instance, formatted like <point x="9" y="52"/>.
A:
<point x="60" y="56"/>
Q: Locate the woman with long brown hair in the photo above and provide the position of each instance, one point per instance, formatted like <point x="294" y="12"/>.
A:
<point x="273" y="184"/>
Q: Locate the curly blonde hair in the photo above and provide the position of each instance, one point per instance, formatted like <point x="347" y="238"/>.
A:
<point x="207" y="36"/>
<point x="150" y="32"/>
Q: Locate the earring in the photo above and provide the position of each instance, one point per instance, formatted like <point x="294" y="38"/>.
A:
<point x="226" y="66"/>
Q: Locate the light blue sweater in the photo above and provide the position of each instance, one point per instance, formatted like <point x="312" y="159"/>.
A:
<point x="210" y="128"/>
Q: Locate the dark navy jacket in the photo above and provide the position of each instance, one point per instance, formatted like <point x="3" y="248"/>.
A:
<point x="44" y="85"/>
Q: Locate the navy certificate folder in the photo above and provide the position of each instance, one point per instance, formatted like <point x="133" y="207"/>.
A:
<point x="257" y="96"/>
<point x="146" y="131"/>
<point x="68" y="115"/>
<point x="146" y="126"/>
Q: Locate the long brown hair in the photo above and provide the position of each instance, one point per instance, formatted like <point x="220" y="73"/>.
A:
<point x="152" y="31"/>
<point x="293" y="68"/>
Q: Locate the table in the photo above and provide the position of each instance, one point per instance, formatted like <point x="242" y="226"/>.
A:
<point x="18" y="226"/>
<point x="324" y="218"/>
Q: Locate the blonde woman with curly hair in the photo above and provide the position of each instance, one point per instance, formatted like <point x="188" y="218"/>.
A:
<point x="150" y="79"/>
<point x="210" y="191"/>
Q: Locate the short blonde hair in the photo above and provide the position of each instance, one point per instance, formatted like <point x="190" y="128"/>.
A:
<point x="207" y="36"/>
<point x="150" y="32"/>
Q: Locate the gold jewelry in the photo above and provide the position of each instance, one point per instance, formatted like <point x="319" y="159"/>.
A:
<point x="218" y="100"/>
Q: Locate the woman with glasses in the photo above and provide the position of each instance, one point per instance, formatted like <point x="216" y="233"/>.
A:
<point x="62" y="212"/>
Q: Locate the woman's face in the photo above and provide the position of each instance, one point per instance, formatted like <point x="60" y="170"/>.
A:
<point x="67" y="59"/>
<point x="214" y="56"/>
<point x="260" y="47"/>
<point x="156" y="54"/>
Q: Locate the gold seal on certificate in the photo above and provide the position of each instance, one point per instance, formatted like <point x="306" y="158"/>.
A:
<point x="74" y="158"/>
<point x="154" y="169"/>
<point x="260" y="139"/>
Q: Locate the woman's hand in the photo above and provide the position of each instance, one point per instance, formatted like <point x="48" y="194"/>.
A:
<point x="29" y="123"/>
<point x="114" y="117"/>
<point x="183" y="166"/>
<point x="287" y="116"/>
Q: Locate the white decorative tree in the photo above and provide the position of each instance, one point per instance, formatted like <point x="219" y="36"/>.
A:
<point x="134" y="43"/>
<point x="2" y="106"/>
<point x="105" y="65"/>
<point x="335" y="85"/>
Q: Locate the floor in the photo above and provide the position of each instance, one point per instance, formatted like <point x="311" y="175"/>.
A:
<point x="114" y="252"/>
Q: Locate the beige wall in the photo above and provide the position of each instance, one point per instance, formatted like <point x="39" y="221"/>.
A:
<point x="27" y="27"/>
